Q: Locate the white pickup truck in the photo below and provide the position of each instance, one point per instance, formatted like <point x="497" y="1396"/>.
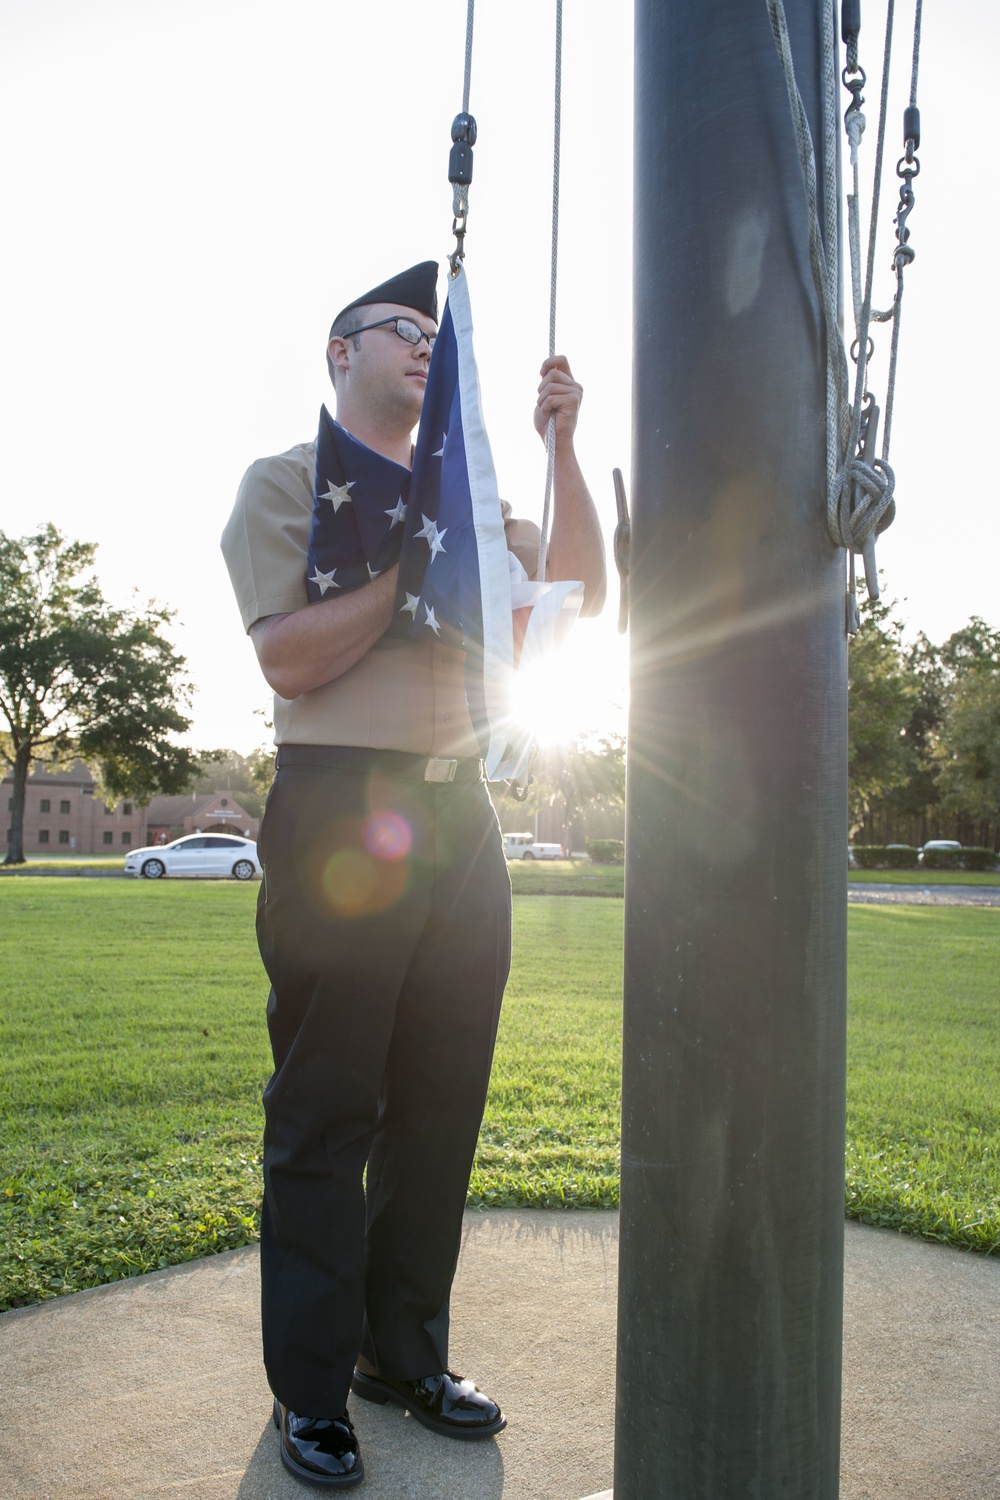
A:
<point x="523" y="846"/>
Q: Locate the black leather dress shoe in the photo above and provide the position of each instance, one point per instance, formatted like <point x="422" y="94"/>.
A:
<point x="445" y="1403"/>
<point x="320" y="1450"/>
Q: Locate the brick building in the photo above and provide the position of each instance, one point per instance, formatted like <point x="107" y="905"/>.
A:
<point x="64" y="815"/>
<point x="169" y="818"/>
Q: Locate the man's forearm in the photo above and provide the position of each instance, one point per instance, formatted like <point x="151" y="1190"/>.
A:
<point x="303" y="650"/>
<point x="576" y="546"/>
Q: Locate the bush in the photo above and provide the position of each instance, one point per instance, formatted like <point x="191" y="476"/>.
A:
<point x="943" y="859"/>
<point x="979" y="859"/>
<point x="606" y="851"/>
<point x="879" y="857"/>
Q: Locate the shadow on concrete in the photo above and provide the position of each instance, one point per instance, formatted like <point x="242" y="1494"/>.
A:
<point x="154" y="1388"/>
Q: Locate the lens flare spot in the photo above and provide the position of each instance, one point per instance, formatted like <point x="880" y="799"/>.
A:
<point x="387" y="835"/>
<point x="350" y="878"/>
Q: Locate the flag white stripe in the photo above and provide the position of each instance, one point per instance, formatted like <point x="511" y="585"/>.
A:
<point x="494" y="576"/>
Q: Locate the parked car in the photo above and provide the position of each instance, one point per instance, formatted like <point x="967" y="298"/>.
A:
<point x="938" y="844"/>
<point x="524" y="846"/>
<point x="199" y="854"/>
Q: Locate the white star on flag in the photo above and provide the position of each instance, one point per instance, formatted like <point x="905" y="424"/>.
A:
<point x="410" y="607"/>
<point x="397" y="515"/>
<point x="338" y="496"/>
<point x="440" y="451"/>
<point x="434" y="538"/>
<point x="324" y="581"/>
<point x="431" y="621"/>
<point x="373" y="572"/>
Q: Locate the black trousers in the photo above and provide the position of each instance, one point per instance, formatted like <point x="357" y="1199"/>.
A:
<point x="384" y="926"/>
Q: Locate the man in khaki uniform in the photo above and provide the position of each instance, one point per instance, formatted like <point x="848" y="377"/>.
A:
<point x="383" y="920"/>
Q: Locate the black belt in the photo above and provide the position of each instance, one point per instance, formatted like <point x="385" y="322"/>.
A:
<point x="434" y="768"/>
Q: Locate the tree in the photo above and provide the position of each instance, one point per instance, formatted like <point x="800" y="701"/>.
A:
<point x="946" y="746"/>
<point x="947" y="728"/>
<point x="577" y="778"/>
<point x="976" y="645"/>
<point x="80" y="677"/>
<point x="906" y="810"/>
<point x="882" y="693"/>
<point x="969" y="743"/>
<point x="249" y="776"/>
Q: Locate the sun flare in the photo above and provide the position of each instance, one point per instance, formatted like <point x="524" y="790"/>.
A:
<point x="579" y="690"/>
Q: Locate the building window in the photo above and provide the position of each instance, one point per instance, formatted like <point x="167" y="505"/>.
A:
<point x="107" y="812"/>
<point x="45" y="805"/>
<point x="43" y="835"/>
<point x="64" y="835"/>
<point x="126" y="837"/>
<point x="127" y="809"/>
<point x="108" y="837"/>
<point x="64" y="807"/>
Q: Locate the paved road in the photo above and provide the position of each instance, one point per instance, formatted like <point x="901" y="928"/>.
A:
<point x="923" y="895"/>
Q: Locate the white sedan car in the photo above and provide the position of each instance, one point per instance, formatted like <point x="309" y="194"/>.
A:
<point x="199" y="854"/>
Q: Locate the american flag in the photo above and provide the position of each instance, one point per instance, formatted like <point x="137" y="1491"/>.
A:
<point x="359" y="506"/>
<point x="443" y="522"/>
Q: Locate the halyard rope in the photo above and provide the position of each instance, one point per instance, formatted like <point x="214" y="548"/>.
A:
<point x="460" y="172"/>
<point x="463" y="135"/>
<point x="470" y="17"/>
<point x="550" y="439"/>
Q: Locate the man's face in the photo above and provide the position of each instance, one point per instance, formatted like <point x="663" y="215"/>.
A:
<point x="387" y="374"/>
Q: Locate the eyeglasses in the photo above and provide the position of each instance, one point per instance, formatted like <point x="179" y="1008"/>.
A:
<point x="405" y="327"/>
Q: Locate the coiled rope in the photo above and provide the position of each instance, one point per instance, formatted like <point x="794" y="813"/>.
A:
<point x="822" y="252"/>
<point x="866" y="503"/>
<point x="860" y="487"/>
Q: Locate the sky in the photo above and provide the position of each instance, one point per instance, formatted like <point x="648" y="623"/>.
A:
<point x="192" y="188"/>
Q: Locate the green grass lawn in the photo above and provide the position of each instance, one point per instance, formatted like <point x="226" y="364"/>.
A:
<point x="923" y="1101"/>
<point x="563" y="877"/>
<point x="133" y="1053"/>
<point x="560" y="877"/>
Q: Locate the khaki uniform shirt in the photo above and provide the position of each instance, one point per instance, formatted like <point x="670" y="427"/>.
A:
<point x="403" y="694"/>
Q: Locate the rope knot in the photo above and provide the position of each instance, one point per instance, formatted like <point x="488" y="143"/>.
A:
<point x="865" y="504"/>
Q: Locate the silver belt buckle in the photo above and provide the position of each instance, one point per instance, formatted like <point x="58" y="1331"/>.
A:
<point x="441" y="770"/>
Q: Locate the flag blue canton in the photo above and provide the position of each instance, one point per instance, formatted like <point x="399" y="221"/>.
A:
<point x="359" y="508"/>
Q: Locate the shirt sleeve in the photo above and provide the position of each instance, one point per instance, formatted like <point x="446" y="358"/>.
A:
<point x="266" y="538"/>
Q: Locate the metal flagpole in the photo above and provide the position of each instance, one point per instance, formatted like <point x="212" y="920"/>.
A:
<point x="732" y="1200"/>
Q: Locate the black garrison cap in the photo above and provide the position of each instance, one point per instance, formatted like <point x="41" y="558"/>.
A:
<point x="416" y="288"/>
